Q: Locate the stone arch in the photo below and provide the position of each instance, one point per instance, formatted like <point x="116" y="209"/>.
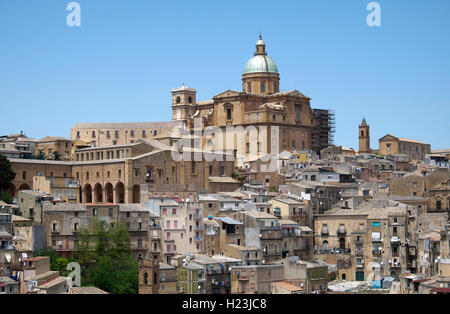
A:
<point x="24" y="186"/>
<point x="109" y="193"/>
<point x="342" y="243"/>
<point x="88" y="193"/>
<point x="120" y="193"/>
<point x="136" y="193"/>
<point x="98" y="193"/>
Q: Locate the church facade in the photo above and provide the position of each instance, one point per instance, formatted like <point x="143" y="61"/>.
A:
<point x="260" y="103"/>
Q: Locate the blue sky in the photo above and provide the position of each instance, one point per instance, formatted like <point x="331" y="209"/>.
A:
<point x="123" y="61"/>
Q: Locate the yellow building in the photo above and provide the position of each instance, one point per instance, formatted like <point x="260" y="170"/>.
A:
<point x="60" y="188"/>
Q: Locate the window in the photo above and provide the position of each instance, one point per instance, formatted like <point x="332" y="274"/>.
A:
<point x="24" y="175"/>
<point x="139" y="243"/>
<point x="298" y="109"/>
<point x="87" y="175"/>
<point x="193" y="167"/>
<point x="178" y="99"/>
<point x="55" y="227"/>
<point x="145" y="279"/>
<point x="263" y="87"/>
<point x="110" y="212"/>
<point x="190" y="99"/>
<point x="94" y="212"/>
<point x="120" y="173"/>
<point x="210" y="170"/>
<point x="275" y="87"/>
<point x="228" y="113"/>
<point x="249" y="88"/>
<point x="132" y="133"/>
<point x="75" y="227"/>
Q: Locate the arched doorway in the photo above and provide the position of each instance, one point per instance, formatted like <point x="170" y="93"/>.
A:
<point x="342" y="243"/>
<point x="120" y="193"/>
<point x="24" y="186"/>
<point x="325" y="245"/>
<point x="344" y="277"/>
<point x="98" y="193"/>
<point x="109" y="193"/>
<point x="88" y="194"/>
<point x="12" y="190"/>
<point x="136" y="193"/>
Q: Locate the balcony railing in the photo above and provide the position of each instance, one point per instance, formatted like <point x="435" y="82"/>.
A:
<point x="324" y="233"/>
<point x="376" y="252"/>
<point x="341" y="232"/>
<point x="198" y="238"/>
<point x="198" y="216"/>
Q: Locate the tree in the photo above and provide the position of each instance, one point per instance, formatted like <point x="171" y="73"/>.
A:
<point x="41" y="155"/>
<point x="5" y="197"/>
<point x="56" y="156"/>
<point x="6" y="173"/>
<point x="114" y="269"/>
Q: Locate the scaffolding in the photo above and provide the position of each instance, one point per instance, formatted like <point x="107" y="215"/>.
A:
<point x="322" y="135"/>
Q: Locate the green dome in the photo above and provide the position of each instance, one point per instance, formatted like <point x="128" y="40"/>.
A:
<point x="260" y="63"/>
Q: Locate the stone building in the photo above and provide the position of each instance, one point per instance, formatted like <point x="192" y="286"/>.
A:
<point x="264" y="231"/>
<point x="255" y="279"/>
<point x="111" y="134"/>
<point x="416" y="150"/>
<point x="434" y="187"/>
<point x="63" y="189"/>
<point x="149" y="276"/>
<point x="51" y="146"/>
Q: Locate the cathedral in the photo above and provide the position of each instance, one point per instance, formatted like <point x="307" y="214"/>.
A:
<point x="260" y="103"/>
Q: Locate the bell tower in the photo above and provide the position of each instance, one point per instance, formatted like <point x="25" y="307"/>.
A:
<point x="183" y="103"/>
<point x="364" y="138"/>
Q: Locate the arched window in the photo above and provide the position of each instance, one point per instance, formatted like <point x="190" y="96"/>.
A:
<point x="145" y="279"/>
<point x="178" y="99"/>
<point x="190" y="99"/>
<point x="263" y="87"/>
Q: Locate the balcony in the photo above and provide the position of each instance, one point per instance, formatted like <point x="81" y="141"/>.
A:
<point x="376" y="252"/>
<point x="395" y="239"/>
<point x="198" y="227"/>
<point x="198" y="238"/>
<point x="359" y="253"/>
<point x="341" y="232"/>
<point x="198" y="216"/>
<point x="324" y="233"/>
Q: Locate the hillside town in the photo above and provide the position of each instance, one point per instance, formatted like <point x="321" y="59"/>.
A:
<point x="273" y="206"/>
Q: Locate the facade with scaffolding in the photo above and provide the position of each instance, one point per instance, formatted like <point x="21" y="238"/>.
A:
<point x="322" y="134"/>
